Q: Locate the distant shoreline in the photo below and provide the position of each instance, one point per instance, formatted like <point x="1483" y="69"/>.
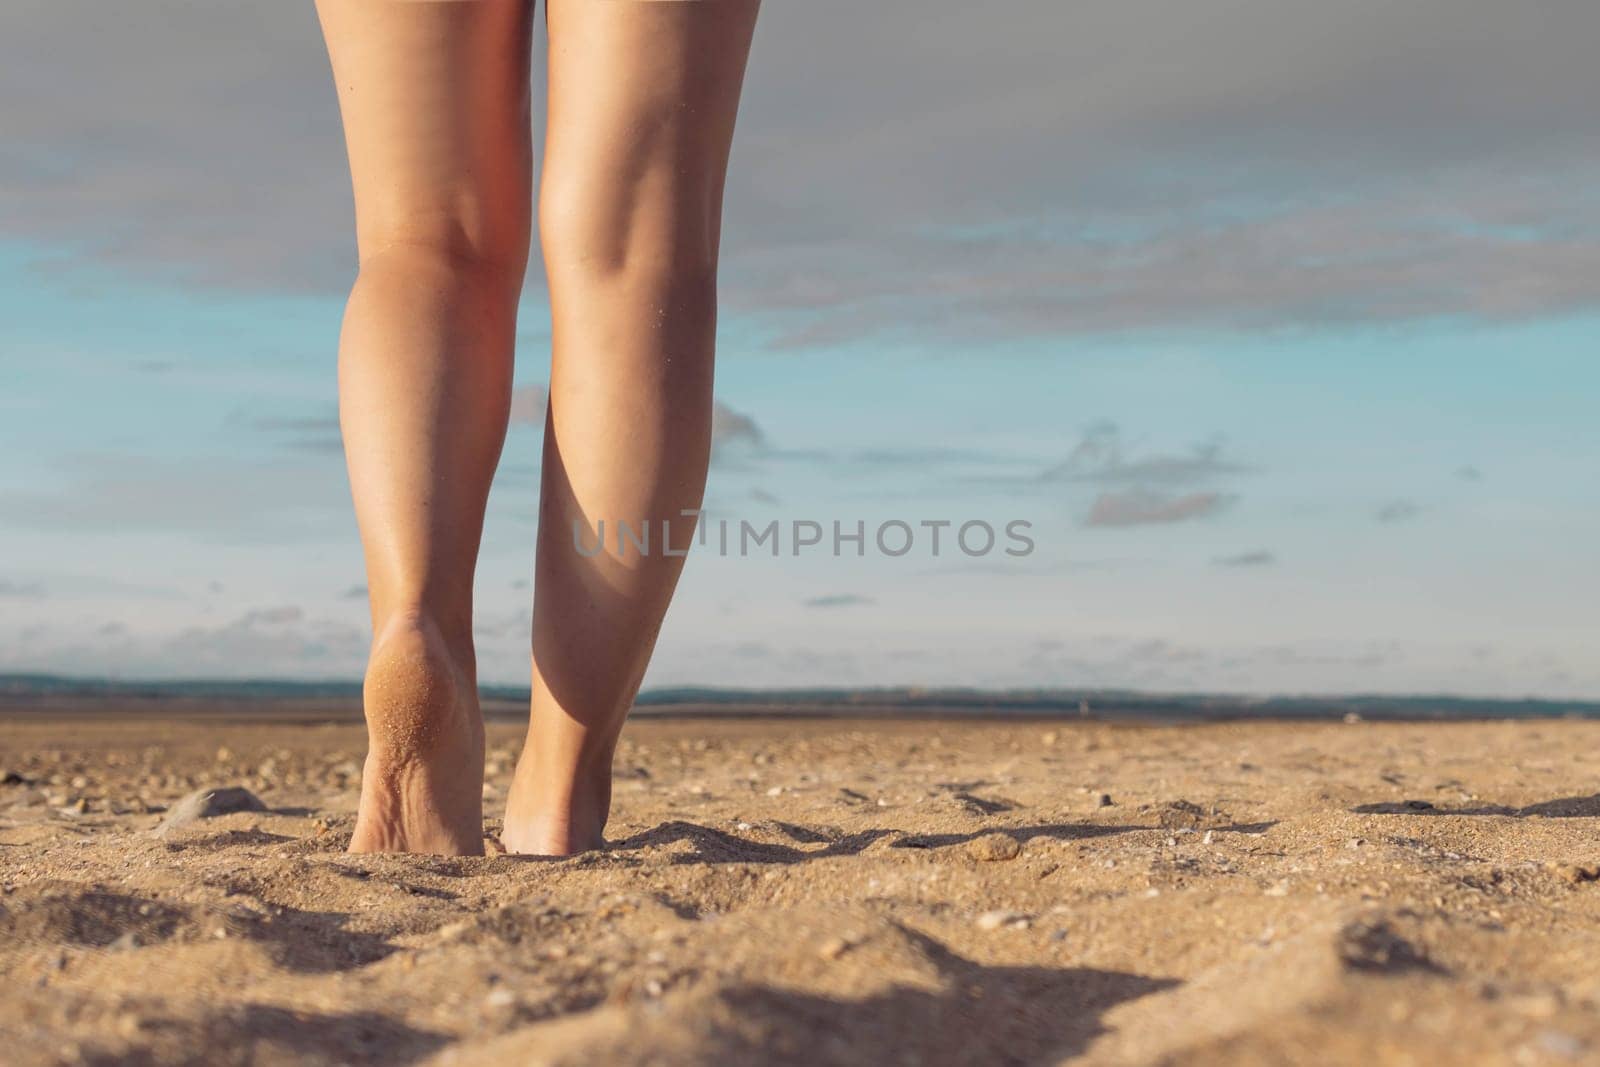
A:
<point x="44" y="695"/>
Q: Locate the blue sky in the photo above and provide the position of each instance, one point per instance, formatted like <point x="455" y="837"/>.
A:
<point x="1276" y="324"/>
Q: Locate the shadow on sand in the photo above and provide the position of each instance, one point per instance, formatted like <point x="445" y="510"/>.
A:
<point x="979" y="1015"/>
<point x="1559" y="808"/>
<point x="260" y="1033"/>
<point x="972" y="1014"/>
<point x="304" y="941"/>
<point x="719" y="846"/>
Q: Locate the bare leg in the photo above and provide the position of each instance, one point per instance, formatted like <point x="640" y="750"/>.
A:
<point x="642" y="104"/>
<point x="435" y="104"/>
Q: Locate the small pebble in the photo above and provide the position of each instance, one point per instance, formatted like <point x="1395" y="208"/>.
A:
<point x="993" y="848"/>
<point x="207" y="803"/>
<point x="995" y="920"/>
<point x="1104" y="801"/>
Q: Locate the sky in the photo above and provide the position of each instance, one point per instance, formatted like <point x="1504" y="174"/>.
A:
<point x="1273" y="321"/>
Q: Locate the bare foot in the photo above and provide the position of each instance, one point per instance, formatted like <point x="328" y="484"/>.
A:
<point x="556" y="813"/>
<point x="422" y="786"/>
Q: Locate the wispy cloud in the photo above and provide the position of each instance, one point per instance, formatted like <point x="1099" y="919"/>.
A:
<point x="275" y="640"/>
<point x="1397" y="511"/>
<point x="212" y="496"/>
<point x="1259" y="558"/>
<point x="1149" y="487"/>
<point x="1102" y="457"/>
<point x="21" y="590"/>
<point x="272" y="616"/>
<point x="1140" y="508"/>
<point x="839" y="600"/>
<point x="734" y="430"/>
<point x="306" y="433"/>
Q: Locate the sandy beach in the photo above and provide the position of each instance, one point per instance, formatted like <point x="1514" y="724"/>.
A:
<point x="821" y="891"/>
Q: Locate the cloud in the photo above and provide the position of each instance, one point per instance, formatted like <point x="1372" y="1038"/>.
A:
<point x="1259" y="558"/>
<point x="21" y="590"/>
<point x="306" y="433"/>
<point x="275" y="641"/>
<point x="839" y="600"/>
<point x="1158" y="165"/>
<point x="730" y="428"/>
<point x="272" y="616"/>
<point x="1100" y="457"/>
<point x="1469" y="473"/>
<point x="355" y="592"/>
<point x="1141" y="508"/>
<point x="1148" y="484"/>
<point x="291" y="498"/>
<point x="1180" y="169"/>
<point x="925" y="456"/>
<point x="1398" y="511"/>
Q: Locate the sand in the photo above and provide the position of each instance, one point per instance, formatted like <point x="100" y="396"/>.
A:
<point x="822" y="892"/>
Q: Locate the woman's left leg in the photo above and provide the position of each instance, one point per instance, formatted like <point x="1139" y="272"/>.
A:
<point x="642" y="104"/>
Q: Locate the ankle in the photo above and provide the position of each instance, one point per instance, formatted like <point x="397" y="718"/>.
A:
<point x="553" y="830"/>
<point x="557" y="809"/>
<point x="555" y="833"/>
<point x="430" y="632"/>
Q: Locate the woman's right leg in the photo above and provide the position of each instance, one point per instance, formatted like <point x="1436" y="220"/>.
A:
<point x="434" y="98"/>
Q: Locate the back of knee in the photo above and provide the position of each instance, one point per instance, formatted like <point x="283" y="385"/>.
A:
<point x="650" y="232"/>
<point x="465" y="244"/>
